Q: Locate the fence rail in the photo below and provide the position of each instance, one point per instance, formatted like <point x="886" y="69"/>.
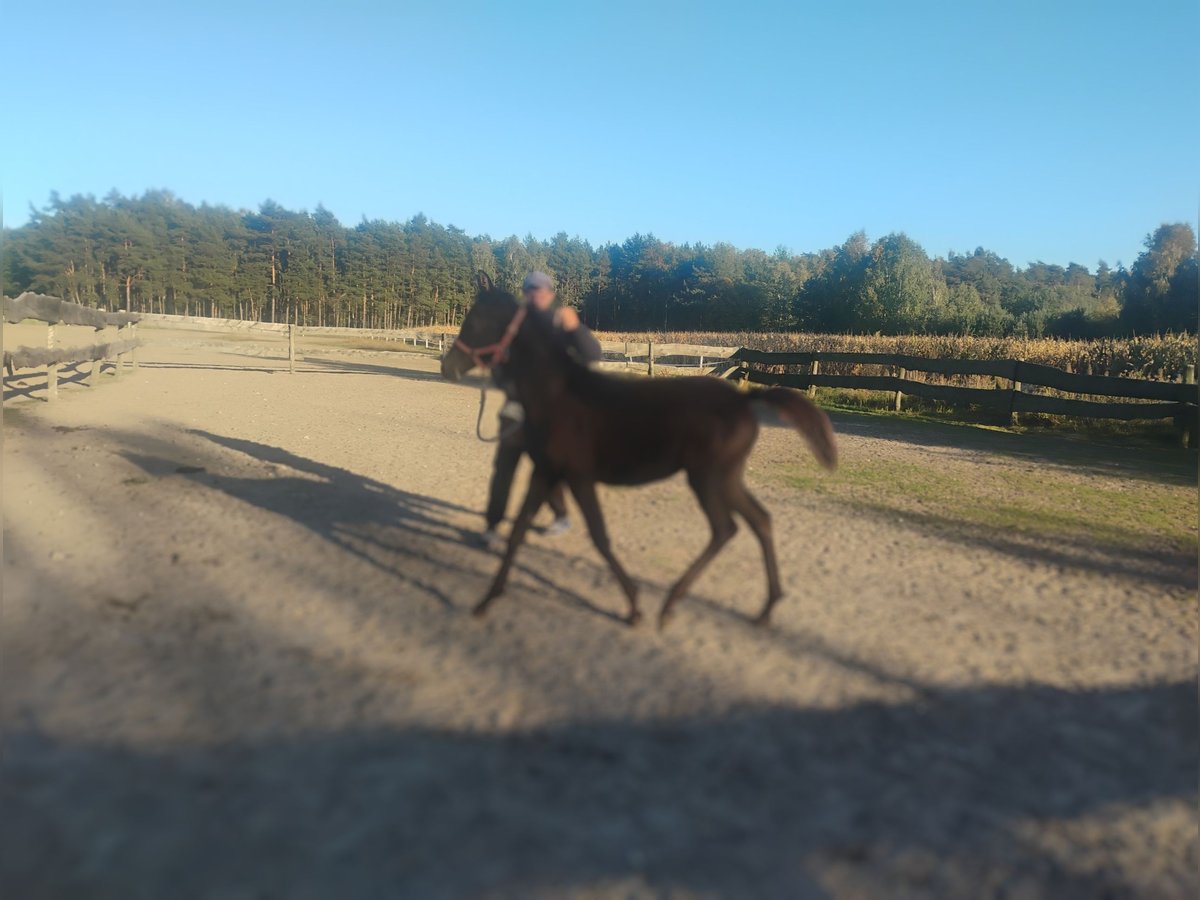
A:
<point x="54" y="312"/>
<point x="40" y="357"/>
<point x="239" y="326"/>
<point x="293" y="334"/>
<point x="1009" y="369"/>
<point x="1176" y="399"/>
<point x="1167" y="399"/>
<point x="625" y="354"/>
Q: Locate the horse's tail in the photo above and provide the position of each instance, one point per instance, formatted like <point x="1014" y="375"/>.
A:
<point x="807" y="418"/>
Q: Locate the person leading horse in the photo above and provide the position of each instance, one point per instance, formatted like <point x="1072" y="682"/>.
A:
<point x="575" y="337"/>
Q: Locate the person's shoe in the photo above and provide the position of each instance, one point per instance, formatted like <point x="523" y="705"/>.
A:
<point x="558" y="527"/>
<point x="491" y="539"/>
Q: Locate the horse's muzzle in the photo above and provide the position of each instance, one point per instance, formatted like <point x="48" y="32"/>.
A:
<point x="455" y="364"/>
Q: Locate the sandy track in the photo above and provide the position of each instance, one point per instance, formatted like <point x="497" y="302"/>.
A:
<point x="237" y="663"/>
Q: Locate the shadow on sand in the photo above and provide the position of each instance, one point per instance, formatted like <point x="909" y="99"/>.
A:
<point x="954" y="798"/>
<point x="389" y="528"/>
<point x="32" y="385"/>
<point x="957" y="792"/>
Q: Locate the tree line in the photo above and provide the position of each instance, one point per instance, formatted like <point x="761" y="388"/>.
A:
<point x="157" y="253"/>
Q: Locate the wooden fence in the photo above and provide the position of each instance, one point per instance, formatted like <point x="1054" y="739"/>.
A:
<point x="51" y="356"/>
<point x="677" y="358"/>
<point x="1177" y="396"/>
<point x="293" y="335"/>
<point x="1022" y="391"/>
<point x="282" y="329"/>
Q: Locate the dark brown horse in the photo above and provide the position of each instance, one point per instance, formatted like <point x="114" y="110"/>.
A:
<point x="585" y="427"/>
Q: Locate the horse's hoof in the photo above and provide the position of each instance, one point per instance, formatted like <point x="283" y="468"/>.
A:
<point x="663" y="617"/>
<point x="762" y="620"/>
<point x="480" y="609"/>
<point x="633" y="618"/>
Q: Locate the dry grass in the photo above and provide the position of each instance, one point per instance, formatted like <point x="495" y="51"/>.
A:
<point x="1159" y="356"/>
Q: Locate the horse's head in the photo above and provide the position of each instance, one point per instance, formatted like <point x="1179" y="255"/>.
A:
<point x="490" y="326"/>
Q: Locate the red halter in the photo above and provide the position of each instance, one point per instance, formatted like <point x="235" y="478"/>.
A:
<point x="497" y="351"/>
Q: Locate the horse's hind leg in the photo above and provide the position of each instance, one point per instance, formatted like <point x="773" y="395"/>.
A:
<point x="539" y="488"/>
<point x="589" y="504"/>
<point x="716" y="506"/>
<point x="759" y="520"/>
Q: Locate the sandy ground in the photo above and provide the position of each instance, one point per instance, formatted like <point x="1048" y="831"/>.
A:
<point x="238" y="663"/>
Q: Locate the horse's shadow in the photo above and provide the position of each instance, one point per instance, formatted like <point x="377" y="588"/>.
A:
<point x="397" y="532"/>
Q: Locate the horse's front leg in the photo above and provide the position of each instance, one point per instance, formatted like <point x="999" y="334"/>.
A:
<point x="539" y="488"/>
<point x="589" y="503"/>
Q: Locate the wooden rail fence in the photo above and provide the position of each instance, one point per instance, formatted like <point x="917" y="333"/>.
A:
<point x="292" y="334"/>
<point x="1016" y="398"/>
<point x="52" y="357"/>
<point x="631" y="355"/>
<point x="1166" y="399"/>
<point x="238" y="326"/>
<point x="1160" y="399"/>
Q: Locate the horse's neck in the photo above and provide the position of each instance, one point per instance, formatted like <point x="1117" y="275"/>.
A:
<point x="539" y="374"/>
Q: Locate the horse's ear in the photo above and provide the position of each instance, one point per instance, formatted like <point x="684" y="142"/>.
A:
<point x="485" y="282"/>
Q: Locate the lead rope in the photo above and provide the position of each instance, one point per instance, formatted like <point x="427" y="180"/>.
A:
<point x="502" y="434"/>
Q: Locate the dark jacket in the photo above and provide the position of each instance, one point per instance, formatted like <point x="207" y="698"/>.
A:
<point x="582" y="343"/>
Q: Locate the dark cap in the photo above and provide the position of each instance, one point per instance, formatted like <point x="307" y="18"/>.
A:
<point x="538" y="280"/>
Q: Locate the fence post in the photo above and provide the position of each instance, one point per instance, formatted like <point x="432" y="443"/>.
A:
<point x="650" y="358"/>
<point x="133" y="362"/>
<point x="442" y="345"/>
<point x="120" y="358"/>
<point x="1189" y="424"/>
<point x="291" y="349"/>
<point x="813" y="369"/>
<point x="51" y="369"/>
<point x="901" y="373"/>
<point x="116" y="357"/>
<point x="701" y="363"/>
<point x="104" y="357"/>
<point x="628" y="359"/>
<point x="1016" y="389"/>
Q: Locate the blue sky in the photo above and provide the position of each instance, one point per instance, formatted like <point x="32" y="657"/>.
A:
<point x="1060" y="131"/>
